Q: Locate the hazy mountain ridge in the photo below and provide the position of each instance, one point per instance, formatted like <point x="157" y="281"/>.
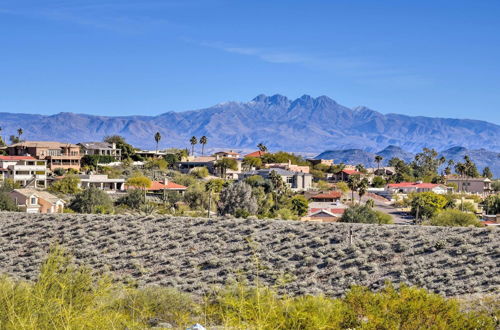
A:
<point x="305" y="124"/>
<point x="481" y="157"/>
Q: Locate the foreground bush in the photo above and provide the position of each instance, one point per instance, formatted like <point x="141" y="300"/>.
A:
<point x="69" y="297"/>
<point x="365" y="214"/>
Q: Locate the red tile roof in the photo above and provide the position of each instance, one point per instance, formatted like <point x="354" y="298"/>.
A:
<point x="155" y="185"/>
<point x="351" y="172"/>
<point x="333" y="211"/>
<point x="11" y="158"/>
<point x="257" y="153"/>
<point x="330" y="194"/>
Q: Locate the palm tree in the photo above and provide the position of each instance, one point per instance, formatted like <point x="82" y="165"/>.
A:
<point x="193" y="142"/>
<point x="157" y="139"/>
<point x="262" y="147"/>
<point x="19" y="133"/>
<point x="203" y="141"/>
<point x="378" y="159"/>
<point x="362" y="188"/>
<point x="353" y="184"/>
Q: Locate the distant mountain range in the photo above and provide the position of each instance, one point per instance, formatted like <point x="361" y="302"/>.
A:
<point x="306" y="124"/>
<point x="481" y="157"/>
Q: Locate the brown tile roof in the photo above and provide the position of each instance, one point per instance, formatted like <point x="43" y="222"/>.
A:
<point x="12" y="158"/>
<point x="330" y="194"/>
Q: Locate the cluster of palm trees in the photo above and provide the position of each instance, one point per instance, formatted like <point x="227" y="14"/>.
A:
<point x="359" y="185"/>
<point x="13" y="138"/>
<point x="194" y="141"/>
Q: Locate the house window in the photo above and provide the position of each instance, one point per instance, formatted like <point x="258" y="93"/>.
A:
<point x="33" y="200"/>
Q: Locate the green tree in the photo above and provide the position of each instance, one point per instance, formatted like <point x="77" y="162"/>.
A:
<point x="299" y="205"/>
<point x="403" y="171"/>
<point x="193" y="142"/>
<point x="426" y="164"/>
<point x="487" y="173"/>
<point x="157" y="140"/>
<point x="91" y="200"/>
<point x="67" y="185"/>
<point x="215" y="185"/>
<point x="203" y="142"/>
<point x="454" y="218"/>
<point x="199" y="172"/>
<point x="426" y="204"/>
<point x="378" y="182"/>
<point x="133" y="199"/>
<point x="362" y="188"/>
<point x="140" y="182"/>
<point x="251" y="162"/>
<point x="224" y="164"/>
<point x="364" y="214"/>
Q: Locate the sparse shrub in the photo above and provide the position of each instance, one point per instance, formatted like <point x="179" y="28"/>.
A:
<point x="133" y="199"/>
<point x="67" y="185"/>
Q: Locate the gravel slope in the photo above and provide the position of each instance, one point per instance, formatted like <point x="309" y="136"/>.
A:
<point x="196" y="254"/>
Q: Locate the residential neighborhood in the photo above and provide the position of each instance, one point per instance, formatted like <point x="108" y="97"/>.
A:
<point x="50" y="176"/>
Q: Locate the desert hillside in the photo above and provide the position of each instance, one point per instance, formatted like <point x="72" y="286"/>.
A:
<point x="197" y="254"/>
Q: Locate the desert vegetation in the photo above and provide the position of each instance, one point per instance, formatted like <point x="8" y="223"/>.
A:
<point x="196" y="255"/>
<point x="70" y="296"/>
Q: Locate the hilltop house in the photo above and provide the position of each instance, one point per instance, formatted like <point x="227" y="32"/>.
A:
<point x="193" y="162"/>
<point x="256" y="154"/>
<point x="35" y="201"/>
<point x="480" y="186"/>
<point x="101" y="149"/>
<point x="289" y="167"/>
<point x="226" y="154"/>
<point x="102" y="182"/>
<point x="25" y="170"/>
<point x="159" y="187"/>
<point x="296" y="181"/>
<point x="409" y="187"/>
<point x="344" y="175"/>
<point x="57" y="154"/>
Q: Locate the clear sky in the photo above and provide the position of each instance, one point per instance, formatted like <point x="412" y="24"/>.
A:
<point x="119" y="57"/>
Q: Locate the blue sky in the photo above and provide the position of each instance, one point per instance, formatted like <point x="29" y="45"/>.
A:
<point x="119" y="57"/>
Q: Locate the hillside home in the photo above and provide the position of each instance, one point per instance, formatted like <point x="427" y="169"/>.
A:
<point x="324" y="215"/>
<point x="226" y="154"/>
<point x="193" y="162"/>
<point x="256" y="154"/>
<point x="150" y="153"/>
<point x="296" y="181"/>
<point x="481" y="186"/>
<point x="327" y="162"/>
<point x="410" y="187"/>
<point x="35" y="201"/>
<point x="101" y="149"/>
<point x="289" y="167"/>
<point x="344" y="175"/>
<point x="162" y="187"/>
<point x="25" y="170"/>
<point x="102" y="182"/>
<point x="57" y="154"/>
<point x="328" y="197"/>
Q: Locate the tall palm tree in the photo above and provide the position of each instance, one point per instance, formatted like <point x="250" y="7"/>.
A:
<point x="203" y="141"/>
<point x="362" y="188"/>
<point x="157" y="139"/>
<point x="353" y="184"/>
<point x="193" y="142"/>
<point x="378" y="159"/>
<point x="262" y="147"/>
<point x="19" y="133"/>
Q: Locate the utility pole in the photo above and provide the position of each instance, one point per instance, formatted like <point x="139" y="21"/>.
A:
<point x="209" y="202"/>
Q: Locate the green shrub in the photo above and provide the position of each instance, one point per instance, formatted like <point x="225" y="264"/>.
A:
<point x="199" y="172"/>
<point x="453" y="218"/>
<point x="365" y="214"/>
<point x="67" y="185"/>
<point x="133" y="199"/>
<point x="91" y="200"/>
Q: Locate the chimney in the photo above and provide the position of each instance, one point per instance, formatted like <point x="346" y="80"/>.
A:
<point x="114" y="145"/>
<point x="165" y="181"/>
